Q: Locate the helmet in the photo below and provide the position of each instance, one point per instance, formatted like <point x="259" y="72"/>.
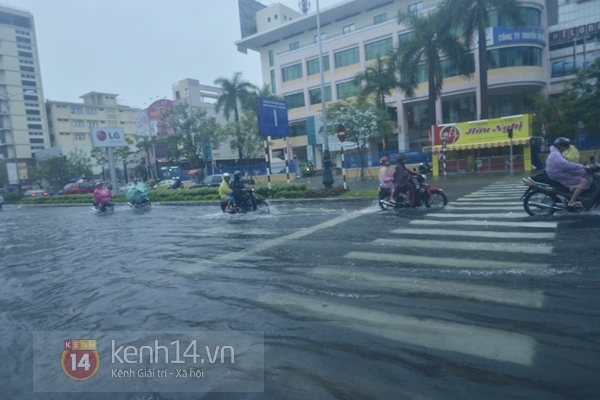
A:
<point x="237" y="174"/>
<point x="562" y="141"/>
<point x="98" y="184"/>
<point x="401" y="158"/>
<point x="226" y="175"/>
<point x="384" y="160"/>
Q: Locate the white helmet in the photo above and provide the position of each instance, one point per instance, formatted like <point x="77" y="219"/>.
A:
<point x="226" y="175"/>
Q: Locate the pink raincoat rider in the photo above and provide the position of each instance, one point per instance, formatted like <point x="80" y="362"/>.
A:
<point x="102" y="196"/>
<point x="386" y="174"/>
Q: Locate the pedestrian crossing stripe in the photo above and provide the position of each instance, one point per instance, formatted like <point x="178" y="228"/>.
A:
<point x="480" y="234"/>
<point x="482" y="215"/>
<point x="474" y="246"/>
<point x="531" y="224"/>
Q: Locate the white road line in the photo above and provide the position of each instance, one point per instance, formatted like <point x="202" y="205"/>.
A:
<point x="477" y="246"/>
<point x="532" y="224"/>
<point x="483" y="234"/>
<point x="488" y="192"/>
<point x="468" y="207"/>
<point x="482" y="215"/>
<point x="445" y="262"/>
<point x="470" y="202"/>
<point x="490" y="198"/>
<point x="525" y="298"/>
<point x="220" y="231"/>
<point x="486" y="196"/>
<point x="473" y="340"/>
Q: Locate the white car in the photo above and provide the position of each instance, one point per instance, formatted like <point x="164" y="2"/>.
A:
<point x="126" y="187"/>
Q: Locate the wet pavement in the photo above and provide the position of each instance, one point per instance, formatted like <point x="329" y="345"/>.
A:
<point x="475" y="301"/>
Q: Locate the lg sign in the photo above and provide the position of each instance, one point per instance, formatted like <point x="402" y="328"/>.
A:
<point x="108" y="137"/>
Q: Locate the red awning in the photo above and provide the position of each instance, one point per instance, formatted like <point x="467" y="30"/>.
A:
<point x="194" y="172"/>
<point x="484" y="145"/>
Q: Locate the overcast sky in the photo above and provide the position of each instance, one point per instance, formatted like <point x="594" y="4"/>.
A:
<point x="138" y="48"/>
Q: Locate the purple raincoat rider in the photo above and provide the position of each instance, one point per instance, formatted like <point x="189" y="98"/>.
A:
<point x="572" y="175"/>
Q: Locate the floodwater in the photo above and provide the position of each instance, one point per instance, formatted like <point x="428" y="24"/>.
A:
<point x="341" y="318"/>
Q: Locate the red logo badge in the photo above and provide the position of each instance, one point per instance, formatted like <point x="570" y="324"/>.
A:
<point x="450" y="133"/>
<point x="101" y="135"/>
<point x="80" y="360"/>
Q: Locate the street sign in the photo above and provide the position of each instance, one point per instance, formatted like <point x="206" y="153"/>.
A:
<point x="341" y="132"/>
<point x="273" y="118"/>
<point x="108" y="137"/>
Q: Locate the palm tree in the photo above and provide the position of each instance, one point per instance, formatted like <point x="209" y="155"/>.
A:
<point x="264" y="92"/>
<point x="379" y="80"/>
<point x="234" y="90"/>
<point x="473" y="15"/>
<point x="431" y="41"/>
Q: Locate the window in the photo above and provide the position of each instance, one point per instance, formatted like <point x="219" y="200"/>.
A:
<point x="20" y="32"/>
<point x="315" y="95"/>
<point x="271" y="58"/>
<point x="380" y="48"/>
<point x="65" y="133"/>
<point x="405" y="37"/>
<point x="80" y="136"/>
<point x="28" y="69"/>
<point x="33" y="119"/>
<point x="531" y="17"/>
<point x="29" y="76"/>
<point x="32" y="112"/>
<point x="381" y="18"/>
<point x="34" y="126"/>
<point x="415" y="8"/>
<point x="348" y="28"/>
<point x="268" y="19"/>
<point x="76" y="110"/>
<point x="92" y="124"/>
<point x="91" y="111"/>
<point x="63" y="119"/>
<point x="28" y="83"/>
<point x="32" y="140"/>
<point x="25" y="54"/>
<point x="36" y="133"/>
<point x="38" y="147"/>
<point x="275" y="17"/>
<point x="25" y="62"/>
<point x="292" y="72"/>
<point x="295" y="100"/>
<point x="273" y="86"/>
<point x="452" y="69"/>
<point x="294" y="46"/>
<point x="323" y="37"/>
<point x="32" y="105"/>
<point x="514" y="57"/>
<point x="347" y="57"/>
<point x="312" y="66"/>
<point x="78" y="123"/>
<point x="298" y="129"/>
<point x="347" y="89"/>
<point x="24" y="47"/>
<point x="23" y="39"/>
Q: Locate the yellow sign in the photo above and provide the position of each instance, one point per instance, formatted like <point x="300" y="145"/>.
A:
<point x="485" y="131"/>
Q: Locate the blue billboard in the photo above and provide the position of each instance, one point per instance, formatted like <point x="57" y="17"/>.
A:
<point x="273" y="118"/>
<point x="506" y="34"/>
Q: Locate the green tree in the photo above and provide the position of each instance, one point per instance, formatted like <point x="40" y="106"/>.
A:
<point x="244" y="137"/>
<point x="551" y="117"/>
<point x="264" y="92"/>
<point x="234" y="94"/>
<point x="3" y="174"/>
<point x="474" y="16"/>
<point x="363" y="121"/>
<point x="377" y="80"/>
<point x="145" y="145"/>
<point x="79" y="163"/>
<point x="55" y="169"/>
<point x="432" y="39"/>
<point x="582" y="98"/>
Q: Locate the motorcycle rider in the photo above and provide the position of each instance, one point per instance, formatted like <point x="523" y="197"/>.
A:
<point x="102" y="196"/>
<point x="386" y="176"/>
<point x="572" y="175"/>
<point x="176" y="183"/>
<point x="225" y="191"/>
<point x="571" y="153"/>
<point x="137" y="192"/>
<point x="238" y="187"/>
<point x="402" y="180"/>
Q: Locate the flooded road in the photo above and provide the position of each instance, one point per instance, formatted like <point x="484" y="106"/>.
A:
<point x="353" y="302"/>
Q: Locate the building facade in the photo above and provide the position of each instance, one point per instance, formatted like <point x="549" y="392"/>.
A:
<point x="70" y="123"/>
<point x="23" y="122"/>
<point x="354" y="33"/>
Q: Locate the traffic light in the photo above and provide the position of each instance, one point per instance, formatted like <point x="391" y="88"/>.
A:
<point x="510" y="133"/>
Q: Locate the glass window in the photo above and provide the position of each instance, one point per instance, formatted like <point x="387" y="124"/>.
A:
<point x="91" y="111"/>
<point x="378" y="19"/>
<point x="380" y="48"/>
<point x="298" y="129"/>
<point x="271" y="58"/>
<point x="347" y="57"/>
<point x="294" y="46"/>
<point x="323" y="37"/>
<point x="405" y="37"/>
<point x="452" y="69"/>
<point x="292" y="72"/>
<point x="295" y="100"/>
<point x="349" y="28"/>
<point x="315" y="95"/>
<point x="459" y="110"/>
<point x="347" y="89"/>
<point x="76" y="110"/>
<point x="415" y="8"/>
<point x="312" y="66"/>
<point x="514" y="57"/>
<point x="531" y="17"/>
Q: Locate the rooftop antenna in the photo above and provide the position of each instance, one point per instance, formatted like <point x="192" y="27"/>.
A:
<point x="304" y="6"/>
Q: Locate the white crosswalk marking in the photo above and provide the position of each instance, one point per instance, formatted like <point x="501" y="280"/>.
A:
<point x="551" y="225"/>
<point x="470" y="202"/>
<point x="469" y="207"/>
<point x="525" y="298"/>
<point x="446" y="262"/>
<point x="441" y="335"/>
<point x="488" y="215"/>
<point x="476" y="246"/>
<point x="480" y="234"/>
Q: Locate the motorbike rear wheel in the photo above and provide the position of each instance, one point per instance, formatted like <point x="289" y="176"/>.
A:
<point x="540" y="197"/>
<point x="438" y="199"/>
<point x="145" y="205"/>
<point x="383" y="198"/>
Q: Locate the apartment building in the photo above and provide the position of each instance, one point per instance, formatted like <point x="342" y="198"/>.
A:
<point x="355" y="32"/>
<point x="70" y="122"/>
<point x="23" y="123"/>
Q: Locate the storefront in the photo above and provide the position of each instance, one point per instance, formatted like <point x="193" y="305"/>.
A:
<point x="482" y="146"/>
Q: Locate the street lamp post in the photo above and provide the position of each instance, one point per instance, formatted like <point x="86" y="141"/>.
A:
<point x="7" y="98"/>
<point x="327" y="176"/>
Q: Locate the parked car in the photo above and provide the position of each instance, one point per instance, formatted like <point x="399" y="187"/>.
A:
<point x="211" y="180"/>
<point x="164" y="184"/>
<point x="35" y="193"/>
<point x="126" y="187"/>
<point x="78" y="188"/>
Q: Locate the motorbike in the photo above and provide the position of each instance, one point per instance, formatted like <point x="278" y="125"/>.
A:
<point x="424" y="194"/>
<point x="545" y="196"/>
<point x="103" y="201"/>
<point x="245" y="201"/>
<point x="424" y="168"/>
<point x="137" y="197"/>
